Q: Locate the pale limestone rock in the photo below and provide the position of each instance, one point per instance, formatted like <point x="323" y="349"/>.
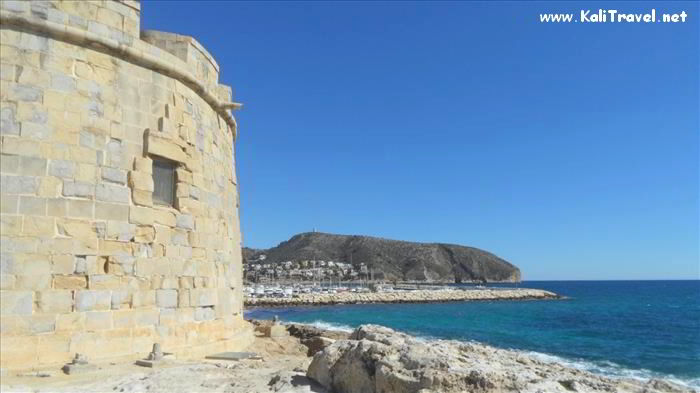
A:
<point x="140" y="215"/>
<point x="32" y="206"/>
<point x="203" y="297"/>
<point x="26" y="93"/>
<point x="98" y="320"/>
<point x="104" y="281"/>
<point x="141" y="181"/>
<point x="144" y="298"/>
<point x="166" y="298"/>
<point x="163" y="147"/>
<point x="185" y="221"/>
<point x="143" y="267"/>
<point x="63" y="264"/>
<point x="10" y="225"/>
<point x="32" y="166"/>
<point x="57" y="207"/>
<point x="112" y="193"/>
<point x="81" y="229"/>
<point x="50" y="187"/>
<point x="112" y="211"/>
<point x="16" y="302"/>
<point x="143" y="164"/>
<point x="184" y="176"/>
<point x="114" y="175"/>
<point x="79" y="208"/>
<point x="63" y="83"/>
<point x="55" y="301"/>
<point x="34" y="281"/>
<point x="164" y="217"/>
<point x="204" y="314"/>
<point x="7" y="281"/>
<point x="78" y="189"/>
<point x="41" y="323"/>
<point x="120" y="231"/>
<point x="9" y="164"/>
<point x="89" y="300"/>
<point x="19" y="184"/>
<point x="142" y="198"/>
<point x="378" y="359"/>
<point x="69" y="282"/>
<point x="34" y="130"/>
<point x="144" y="234"/>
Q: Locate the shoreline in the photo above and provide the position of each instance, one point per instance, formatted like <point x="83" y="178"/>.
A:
<point x="488" y="368"/>
<point x="304" y="358"/>
<point x="613" y="371"/>
<point x="415" y="296"/>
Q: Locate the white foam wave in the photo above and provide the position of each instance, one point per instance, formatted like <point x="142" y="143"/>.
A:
<point x="328" y="326"/>
<point x="604" y="368"/>
<point x="613" y="370"/>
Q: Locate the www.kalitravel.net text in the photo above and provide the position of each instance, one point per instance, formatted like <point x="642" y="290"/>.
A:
<point x="615" y="16"/>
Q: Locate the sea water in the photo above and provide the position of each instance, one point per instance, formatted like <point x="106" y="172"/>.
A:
<point x="638" y="329"/>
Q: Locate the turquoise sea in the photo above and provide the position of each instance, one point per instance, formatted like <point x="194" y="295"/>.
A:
<point x="619" y="328"/>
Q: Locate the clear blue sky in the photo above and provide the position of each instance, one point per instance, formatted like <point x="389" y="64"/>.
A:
<point x="570" y="150"/>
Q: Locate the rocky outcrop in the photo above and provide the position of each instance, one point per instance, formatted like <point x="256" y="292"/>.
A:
<point x="418" y="296"/>
<point x="313" y="338"/>
<point x="378" y="359"/>
<point x="304" y="332"/>
<point x="394" y="259"/>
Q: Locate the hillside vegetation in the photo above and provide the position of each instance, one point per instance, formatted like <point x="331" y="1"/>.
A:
<point x="397" y="260"/>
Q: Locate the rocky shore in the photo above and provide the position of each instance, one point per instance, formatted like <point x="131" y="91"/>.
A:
<point x="417" y="296"/>
<point x="371" y="359"/>
<point x="381" y="360"/>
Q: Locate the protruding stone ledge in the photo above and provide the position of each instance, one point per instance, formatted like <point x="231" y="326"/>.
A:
<point x="140" y="53"/>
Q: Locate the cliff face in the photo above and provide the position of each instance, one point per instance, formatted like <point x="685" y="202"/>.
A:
<point x="397" y="260"/>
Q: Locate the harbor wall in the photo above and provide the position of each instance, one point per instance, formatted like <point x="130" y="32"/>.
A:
<point x="415" y="296"/>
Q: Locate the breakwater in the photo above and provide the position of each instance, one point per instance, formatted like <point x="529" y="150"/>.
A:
<point x="417" y="296"/>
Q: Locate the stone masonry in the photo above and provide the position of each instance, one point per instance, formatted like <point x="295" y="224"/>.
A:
<point x="89" y="263"/>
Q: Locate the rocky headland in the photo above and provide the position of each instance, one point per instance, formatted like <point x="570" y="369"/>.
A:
<point x="416" y="296"/>
<point x="393" y="260"/>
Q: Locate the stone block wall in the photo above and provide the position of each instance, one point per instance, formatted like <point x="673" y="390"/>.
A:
<point x="89" y="263"/>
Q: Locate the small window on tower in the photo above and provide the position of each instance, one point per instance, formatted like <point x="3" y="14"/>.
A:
<point x="164" y="182"/>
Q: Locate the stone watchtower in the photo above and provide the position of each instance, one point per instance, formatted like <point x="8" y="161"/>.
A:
<point x="119" y="206"/>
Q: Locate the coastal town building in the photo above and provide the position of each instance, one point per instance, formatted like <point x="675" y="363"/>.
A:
<point x="120" y="225"/>
<point x="259" y="270"/>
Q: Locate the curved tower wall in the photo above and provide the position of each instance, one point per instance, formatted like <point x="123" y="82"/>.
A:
<point x="90" y="263"/>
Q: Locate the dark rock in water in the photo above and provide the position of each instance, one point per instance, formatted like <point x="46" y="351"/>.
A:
<point x="305" y="332"/>
<point x="316" y="344"/>
<point x="394" y="259"/>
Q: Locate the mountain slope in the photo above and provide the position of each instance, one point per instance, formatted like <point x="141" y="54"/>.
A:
<point x="398" y="260"/>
